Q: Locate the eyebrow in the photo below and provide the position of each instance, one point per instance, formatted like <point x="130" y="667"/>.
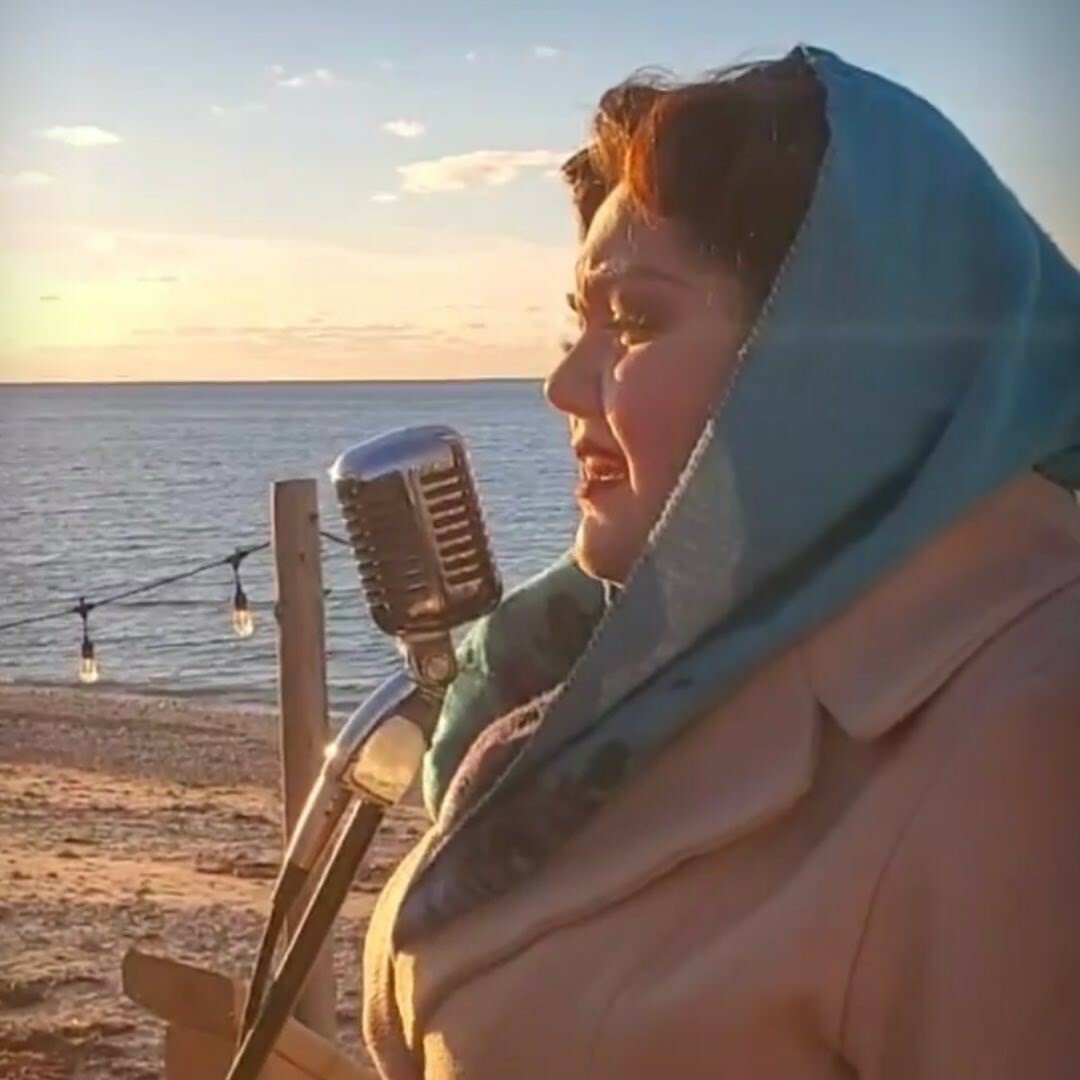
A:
<point x="607" y="276"/>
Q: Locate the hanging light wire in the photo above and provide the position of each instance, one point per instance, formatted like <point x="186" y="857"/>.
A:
<point x="135" y="590"/>
<point x="157" y="583"/>
<point x="242" y="620"/>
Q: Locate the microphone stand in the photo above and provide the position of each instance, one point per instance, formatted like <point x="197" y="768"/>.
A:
<point x="371" y="764"/>
<point x="351" y="847"/>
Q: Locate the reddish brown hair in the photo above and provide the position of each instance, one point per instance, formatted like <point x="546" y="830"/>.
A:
<point x="733" y="159"/>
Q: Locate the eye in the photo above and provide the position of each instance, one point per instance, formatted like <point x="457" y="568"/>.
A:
<point x="636" y="319"/>
<point x="632" y="330"/>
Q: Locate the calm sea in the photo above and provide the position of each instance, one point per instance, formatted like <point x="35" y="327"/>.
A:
<point x="102" y="487"/>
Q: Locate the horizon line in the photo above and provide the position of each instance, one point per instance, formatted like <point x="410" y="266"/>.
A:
<point x="263" y="382"/>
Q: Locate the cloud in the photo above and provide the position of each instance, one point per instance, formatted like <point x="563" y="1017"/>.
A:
<point x="386" y="66"/>
<point x="246" y="290"/>
<point x="384" y="197"/>
<point x="157" y="279"/>
<point x="546" y="52"/>
<point x="481" y="167"/>
<point x="318" y="77"/>
<point x="28" y="178"/>
<point x="470" y="56"/>
<point x="49" y="297"/>
<point x="229" y="112"/>
<point x="80" y="135"/>
<point x="405" y="129"/>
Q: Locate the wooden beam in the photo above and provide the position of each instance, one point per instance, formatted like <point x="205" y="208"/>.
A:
<point x="201" y="1007"/>
<point x="304" y="729"/>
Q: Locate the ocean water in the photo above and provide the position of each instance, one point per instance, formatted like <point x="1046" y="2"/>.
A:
<point x="103" y="487"/>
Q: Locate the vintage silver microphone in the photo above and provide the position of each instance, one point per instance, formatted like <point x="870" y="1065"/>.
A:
<point x="413" y="517"/>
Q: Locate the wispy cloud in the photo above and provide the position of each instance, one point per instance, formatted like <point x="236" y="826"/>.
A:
<point x="416" y="300"/>
<point x="157" y="279"/>
<point x="471" y="55"/>
<point x="28" y="178"/>
<point x="481" y="167"/>
<point x="386" y="66"/>
<point x="319" y="77"/>
<point x="49" y="298"/>
<point x="405" y="129"/>
<point x="384" y="197"/>
<point x="546" y="52"/>
<point x="80" y="135"/>
<point x="232" y="112"/>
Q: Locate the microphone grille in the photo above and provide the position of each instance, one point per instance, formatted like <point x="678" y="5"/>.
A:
<point x="413" y="516"/>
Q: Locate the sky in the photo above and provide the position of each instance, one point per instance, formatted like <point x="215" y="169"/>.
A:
<point x="307" y="189"/>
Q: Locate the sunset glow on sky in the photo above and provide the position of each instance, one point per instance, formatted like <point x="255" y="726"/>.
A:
<point x="342" y="190"/>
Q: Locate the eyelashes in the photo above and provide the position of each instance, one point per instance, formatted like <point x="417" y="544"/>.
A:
<point x="628" y="331"/>
<point x="633" y="330"/>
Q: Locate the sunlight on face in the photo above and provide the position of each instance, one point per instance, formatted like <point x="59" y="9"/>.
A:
<point x="659" y="332"/>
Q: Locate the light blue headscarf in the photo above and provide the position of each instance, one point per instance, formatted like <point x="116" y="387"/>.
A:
<point x="921" y="347"/>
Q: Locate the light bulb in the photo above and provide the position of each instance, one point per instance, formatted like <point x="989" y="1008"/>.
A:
<point x="88" y="668"/>
<point x="242" y="623"/>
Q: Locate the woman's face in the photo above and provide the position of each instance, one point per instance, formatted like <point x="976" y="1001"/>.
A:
<point x="659" y="330"/>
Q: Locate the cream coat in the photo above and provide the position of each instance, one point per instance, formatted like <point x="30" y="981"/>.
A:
<point x="866" y="864"/>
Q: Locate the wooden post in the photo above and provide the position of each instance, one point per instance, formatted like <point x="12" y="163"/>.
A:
<point x="304" y="730"/>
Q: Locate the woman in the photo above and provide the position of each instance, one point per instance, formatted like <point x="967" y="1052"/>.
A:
<point x="777" y="775"/>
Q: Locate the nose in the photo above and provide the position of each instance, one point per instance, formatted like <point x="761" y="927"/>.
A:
<point x="575" y="387"/>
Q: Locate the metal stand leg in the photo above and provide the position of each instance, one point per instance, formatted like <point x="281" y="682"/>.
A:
<point x="352" y="844"/>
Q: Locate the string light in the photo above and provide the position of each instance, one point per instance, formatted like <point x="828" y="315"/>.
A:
<point x="88" y="665"/>
<point x="243" y="622"/>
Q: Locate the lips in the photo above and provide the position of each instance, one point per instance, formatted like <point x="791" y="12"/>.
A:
<point x="601" y="470"/>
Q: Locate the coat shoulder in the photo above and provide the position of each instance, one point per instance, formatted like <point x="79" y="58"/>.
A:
<point x="972" y="937"/>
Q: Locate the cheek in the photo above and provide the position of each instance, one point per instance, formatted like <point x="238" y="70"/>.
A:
<point x="657" y="401"/>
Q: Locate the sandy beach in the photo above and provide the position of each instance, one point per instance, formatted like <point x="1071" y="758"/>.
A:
<point x="142" y="821"/>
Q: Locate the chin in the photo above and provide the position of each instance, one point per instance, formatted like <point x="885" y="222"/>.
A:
<point x="602" y="550"/>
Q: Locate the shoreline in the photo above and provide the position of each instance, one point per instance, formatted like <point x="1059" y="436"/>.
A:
<point x="215" y="698"/>
<point x="140" y="819"/>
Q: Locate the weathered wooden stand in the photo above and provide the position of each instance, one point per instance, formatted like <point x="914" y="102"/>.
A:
<point x="201" y="1008"/>
<point x="304" y="727"/>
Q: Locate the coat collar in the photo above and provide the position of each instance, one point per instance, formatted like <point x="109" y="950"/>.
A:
<point x="754" y="757"/>
<point x="885" y="655"/>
